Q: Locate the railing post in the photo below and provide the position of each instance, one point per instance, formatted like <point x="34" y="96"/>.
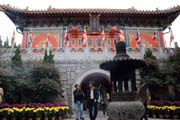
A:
<point x="86" y="52"/>
<point x="67" y="51"/>
<point x="142" y="51"/>
<point x="105" y="52"/>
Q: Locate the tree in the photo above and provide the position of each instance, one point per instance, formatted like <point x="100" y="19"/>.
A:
<point x="31" y="84"/>
<point x="45" y="57"/>
<point x="48" y="58"/>
<point x="151" y="64"/>
<point x="46" y="82"/>
<point x="148" y="54"/>
<point x="16" y="59"/>
<point x="1" y="42"/>
<point x="51" y="58"/>
<point x="165" y="80"/>
<point x="6" y="43"/>
<point x="15" y="46"/>
<point x="173" y="70"/>
<point x="177" y="63"/>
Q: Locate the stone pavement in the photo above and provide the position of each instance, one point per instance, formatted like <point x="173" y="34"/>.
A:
<point x="101" y="117"/>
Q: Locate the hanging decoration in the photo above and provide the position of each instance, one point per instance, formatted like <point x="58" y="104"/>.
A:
<point x="84" y="39"/>
<point x="103" y="37"/>
<point x="121" y="36"/>
<point x="171" y="37"/>
<point x="138" y="38"/>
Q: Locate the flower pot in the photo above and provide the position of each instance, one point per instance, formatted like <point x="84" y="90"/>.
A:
<point x="38" y="118"/>
<point x="45" y="118"/>
<point x="154" y="116"/>
<point x="13" y="118"/>
<point x="53" y="118"/>
<point x="161" y="116"/>
<point x="167" y="116"/>
<point x="59" y="118"/>
<point x="175" y="116"/>
<point x="30" y="118"/>
<point x="23" y="118"/>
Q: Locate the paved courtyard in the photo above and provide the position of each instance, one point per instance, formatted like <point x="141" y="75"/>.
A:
<point x="103" y="117"/>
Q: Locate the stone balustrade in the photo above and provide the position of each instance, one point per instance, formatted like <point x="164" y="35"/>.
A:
<point x="61" y="54"/>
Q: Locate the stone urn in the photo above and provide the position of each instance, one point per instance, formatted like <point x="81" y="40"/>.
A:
<point x="127" y="110"/>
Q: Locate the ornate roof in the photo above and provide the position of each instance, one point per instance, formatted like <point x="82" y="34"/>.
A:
<point x="90" y="11"/>
<point x="155" y="18"/>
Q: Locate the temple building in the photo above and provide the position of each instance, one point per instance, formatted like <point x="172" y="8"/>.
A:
<point x="81" y="38"/>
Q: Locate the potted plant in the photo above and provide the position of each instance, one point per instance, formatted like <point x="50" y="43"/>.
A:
<point x="167" y="112"/>
<point x="154" y="112"/>
<point x="46" y="113"/>
<point x="64" y="111"/>
<point x="38" y="113"/>
<point x="161" y="112"/>
<point x="29" y="113"/>
<point x="53" y="112"/>
<point x="5" y="112"/>
<point x="14" y="115"/>
<point x="176" y="113"/>
<point x="60" y="114"/>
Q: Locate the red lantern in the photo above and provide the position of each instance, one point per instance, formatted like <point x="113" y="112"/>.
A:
<point x="113" y="30"/>
<point x="74" y="31"/>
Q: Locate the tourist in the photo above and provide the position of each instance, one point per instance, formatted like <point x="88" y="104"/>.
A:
<point x="1" y="95"/>
<point x="105" y="98"/>
<point x="78" y="100"/>
<point x="145" y="97"/>
<point x="92" y="96"/>
<point x="105" y="102"/>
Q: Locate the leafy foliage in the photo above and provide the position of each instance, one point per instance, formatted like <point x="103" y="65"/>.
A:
<point x="151" y="64"/>
<point x="46" y="83"/>
<point x="49" y="58"/>
<point x="6" y="43"/>
<point x="148" y="54"/>
<point x="1" y="42"/>
<point x="162" y="82"/>
<point x="16" y="59"/>
<point x="31" y="84"/>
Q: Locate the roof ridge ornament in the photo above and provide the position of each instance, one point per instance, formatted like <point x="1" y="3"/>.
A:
<point x="157" y="9"/>
<point x="50" y="7"/>
<point x="27" y="8"/>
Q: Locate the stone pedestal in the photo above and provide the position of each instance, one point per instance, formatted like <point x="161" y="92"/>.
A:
<point x="125" y="110"/>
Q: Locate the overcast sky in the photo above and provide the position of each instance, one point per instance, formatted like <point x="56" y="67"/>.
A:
<point x="7" y="27"/>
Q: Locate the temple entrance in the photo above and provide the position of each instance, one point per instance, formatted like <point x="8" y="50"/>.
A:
<point x="100" y="81"/>
<point x="97" y="76"/>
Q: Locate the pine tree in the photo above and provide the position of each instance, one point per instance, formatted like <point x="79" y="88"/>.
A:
<point x="148" y="54"/>
<point x="15" y="46"/>
<point x="16" y="59"/>
<point x="45" y="57"/>
<point x="152" y="65"/>
<point x="1" y="42"/>
<point x="49" y="58"/>
<point x="176" y="65"/>
<point x="6" y="43"/>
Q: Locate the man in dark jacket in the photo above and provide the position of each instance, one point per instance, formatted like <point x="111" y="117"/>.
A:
<point x="78" y="100"/>
<point x="92" y="97"/>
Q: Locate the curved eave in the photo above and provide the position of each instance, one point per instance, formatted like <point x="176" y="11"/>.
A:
<point x="25" y="14"/>
<point x="89" y="11"/>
